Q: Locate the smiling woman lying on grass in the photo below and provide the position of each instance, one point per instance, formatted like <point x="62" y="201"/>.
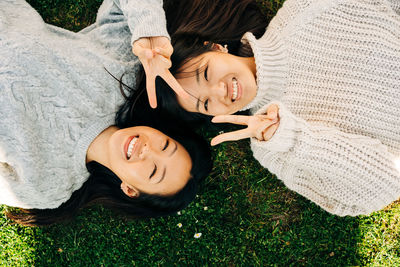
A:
<point x="61" y="146"/>
<point x="322" y="84"/>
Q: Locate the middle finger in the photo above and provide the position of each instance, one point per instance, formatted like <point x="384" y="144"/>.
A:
<point x="235" y="119"/>
<point x="173" y="83"/>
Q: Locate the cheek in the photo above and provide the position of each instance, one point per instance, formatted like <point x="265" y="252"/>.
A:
<point x="220" y="110"/>
<point x="134" y="173"/>
<point x="187" y="104"/>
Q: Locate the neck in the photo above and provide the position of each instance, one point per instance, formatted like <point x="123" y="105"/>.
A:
<point x="98" y="149"/>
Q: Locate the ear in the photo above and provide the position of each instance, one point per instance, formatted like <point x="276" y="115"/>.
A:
<point x="218" y="47"/>
<point x="129" y="190"/>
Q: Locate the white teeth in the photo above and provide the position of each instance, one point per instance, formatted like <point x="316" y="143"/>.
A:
<point x="235" y="89"/>
<point x="130" y="147"/>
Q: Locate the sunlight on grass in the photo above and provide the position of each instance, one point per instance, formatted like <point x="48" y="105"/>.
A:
<point x="380" y="237"/>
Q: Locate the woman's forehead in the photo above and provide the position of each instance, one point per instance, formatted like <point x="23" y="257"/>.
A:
<point x="192" y="67"/>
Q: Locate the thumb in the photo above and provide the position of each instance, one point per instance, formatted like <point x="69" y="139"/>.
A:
<point x="272" y="112"/>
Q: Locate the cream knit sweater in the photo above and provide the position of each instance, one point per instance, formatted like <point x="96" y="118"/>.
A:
<point x="333" y="67"/>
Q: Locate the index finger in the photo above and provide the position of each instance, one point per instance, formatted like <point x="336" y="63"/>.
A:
<point x="173" y="83"/>
<point x="231" y="136"/>
<point x="150" y="85"/>
<point x="151" y="91"/>
<point x="235" y="119"/>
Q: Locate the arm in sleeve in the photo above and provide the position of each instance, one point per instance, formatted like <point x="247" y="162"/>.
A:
<point x="145" y="18"/>
<point x="345" y="174"/>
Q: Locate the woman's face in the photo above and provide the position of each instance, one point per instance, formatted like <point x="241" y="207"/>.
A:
<point x="225" y="84"/>
<point x="148" y="161"/>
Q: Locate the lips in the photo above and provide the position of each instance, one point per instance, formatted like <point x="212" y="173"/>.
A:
<point x="131" y="146"/>
<point x="235" y="90"/>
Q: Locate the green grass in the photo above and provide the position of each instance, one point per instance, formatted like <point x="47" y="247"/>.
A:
<point x="246" y="216"/>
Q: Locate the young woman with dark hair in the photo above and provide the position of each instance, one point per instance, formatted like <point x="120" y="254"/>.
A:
<point x="58" y="106"/>
<point x="323" y="87"/>
<point x="195" y="27"/>
<point x="103" y="187"/>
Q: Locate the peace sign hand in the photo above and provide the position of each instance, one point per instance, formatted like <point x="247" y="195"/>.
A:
<point x="261" y="127"/>
<point x="154" y="53"/>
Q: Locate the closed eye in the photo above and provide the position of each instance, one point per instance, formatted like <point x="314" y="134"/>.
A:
<point x="166" y="145"/>
<point x="206" y="105"/>
<point x="206" y="73"/>
<point x="154" y="171"/>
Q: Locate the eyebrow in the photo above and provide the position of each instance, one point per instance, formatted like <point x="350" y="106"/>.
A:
<point x="198" y="81"/>
<point x="198" y="99"/>
<point x="162" y="176"/>
<point x="198" y="105"/>
<point x="173" y="151"/>
<point x="165" y="169"/>
<point x="198" y="76"/>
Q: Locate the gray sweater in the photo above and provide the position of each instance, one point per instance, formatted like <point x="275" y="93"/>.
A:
<point x="56" y="97"/>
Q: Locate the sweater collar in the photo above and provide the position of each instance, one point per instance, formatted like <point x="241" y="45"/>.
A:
<point x="271" y="67"/>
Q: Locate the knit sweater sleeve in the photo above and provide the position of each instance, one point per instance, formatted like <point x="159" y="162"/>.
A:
<point x="343" y="173"/>
<point x="145" y="18"/>
<point x="289" y="10"/>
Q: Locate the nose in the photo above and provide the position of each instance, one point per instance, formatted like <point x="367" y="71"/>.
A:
<point x="219" y="90"/>
<point x="148" y="151"/>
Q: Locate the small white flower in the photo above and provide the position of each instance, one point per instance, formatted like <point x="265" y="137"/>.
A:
<point x="220" y="132"/>
<point x="205" y="208"/>
<point x="197" y="235"/>
<point x="179" y="225"/>
<point x="197" y="195"/>
<point x="179" y="213"/>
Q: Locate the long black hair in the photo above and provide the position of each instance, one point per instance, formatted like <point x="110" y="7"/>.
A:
<point x="103" y="186"/>
<point x="194" y="26"/>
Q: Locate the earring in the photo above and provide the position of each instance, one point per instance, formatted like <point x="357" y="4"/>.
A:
<point x="225" y="49"/>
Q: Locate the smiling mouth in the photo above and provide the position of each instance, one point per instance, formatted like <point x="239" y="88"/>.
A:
<point x="131" y="145"/>
<point x="235" y="89"/>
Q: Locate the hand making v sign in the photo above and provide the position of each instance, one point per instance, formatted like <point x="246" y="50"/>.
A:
<point x="154" y="53"/>
<point x="259" y="126"/>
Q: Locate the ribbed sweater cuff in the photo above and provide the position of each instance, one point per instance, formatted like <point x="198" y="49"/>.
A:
<point x="285" y="136"/>
<point x="148" y="26"/>
<point x="146" y="31"/>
